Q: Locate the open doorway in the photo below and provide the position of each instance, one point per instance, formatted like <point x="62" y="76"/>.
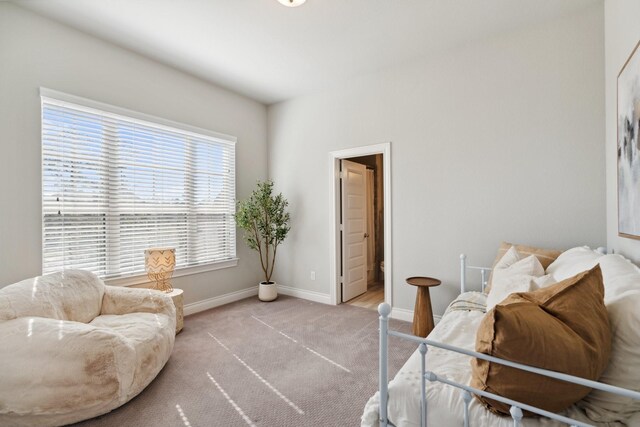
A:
<point x="362" y="237"/>
<point x="361" y="224"/>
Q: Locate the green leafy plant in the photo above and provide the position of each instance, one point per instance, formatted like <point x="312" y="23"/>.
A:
<point x="265" y="222"/>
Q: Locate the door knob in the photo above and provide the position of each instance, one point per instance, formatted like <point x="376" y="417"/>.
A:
<point x="366" y="235"/>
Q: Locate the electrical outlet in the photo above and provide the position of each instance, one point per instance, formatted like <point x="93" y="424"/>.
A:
<point x="313" y="275"/>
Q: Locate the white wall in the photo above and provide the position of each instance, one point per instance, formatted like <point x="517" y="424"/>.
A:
<point x="34" y="52"/>
<point x="622" y="33"/>
<point x="501" y="139"/>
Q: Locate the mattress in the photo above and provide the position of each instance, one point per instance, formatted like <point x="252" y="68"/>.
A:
<point x="444" y="403"/>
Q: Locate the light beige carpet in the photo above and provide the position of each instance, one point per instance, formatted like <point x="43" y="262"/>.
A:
<point x="290" y="362"/>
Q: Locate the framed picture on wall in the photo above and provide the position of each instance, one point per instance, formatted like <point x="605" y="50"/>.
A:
<point x="628" y="148"/>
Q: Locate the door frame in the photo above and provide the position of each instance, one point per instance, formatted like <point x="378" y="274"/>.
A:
<point x="334" y="237"/>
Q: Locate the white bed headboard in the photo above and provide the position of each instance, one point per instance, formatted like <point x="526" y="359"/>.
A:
<point x="484" y="274"/>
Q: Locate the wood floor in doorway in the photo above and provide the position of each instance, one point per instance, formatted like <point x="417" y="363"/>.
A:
<point x="370" y="299"/>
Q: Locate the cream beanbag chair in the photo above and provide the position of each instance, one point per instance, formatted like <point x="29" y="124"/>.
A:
<point x="72" y="348"/>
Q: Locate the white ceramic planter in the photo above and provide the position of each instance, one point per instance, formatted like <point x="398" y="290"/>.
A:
<point x="267" y="291"/>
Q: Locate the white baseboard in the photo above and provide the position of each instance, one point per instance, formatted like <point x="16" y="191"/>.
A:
<point x="304" y="294"/>
<point x="196" y="307"/>
<point x="407" y="315"/>
<point x="402" y="314"/>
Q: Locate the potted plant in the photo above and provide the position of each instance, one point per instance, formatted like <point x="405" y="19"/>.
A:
<point x="265" y="222"/>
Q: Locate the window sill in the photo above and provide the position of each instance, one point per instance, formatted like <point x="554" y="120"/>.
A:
<point x="141" y="279"/>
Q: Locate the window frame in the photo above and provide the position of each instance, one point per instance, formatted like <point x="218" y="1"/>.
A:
<point x="141" y="278"/>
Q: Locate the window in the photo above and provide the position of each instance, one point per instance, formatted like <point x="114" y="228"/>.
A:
<point x="115" y="183"/>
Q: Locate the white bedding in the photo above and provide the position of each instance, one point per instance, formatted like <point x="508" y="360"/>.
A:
<point x="444" y="403"/>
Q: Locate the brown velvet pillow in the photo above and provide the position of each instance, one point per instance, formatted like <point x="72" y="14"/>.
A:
<point x="545" y="256"/>
<point x="563" y="328"/>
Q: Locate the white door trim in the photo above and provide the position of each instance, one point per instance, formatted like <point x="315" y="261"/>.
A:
<point x="334" y="237"/>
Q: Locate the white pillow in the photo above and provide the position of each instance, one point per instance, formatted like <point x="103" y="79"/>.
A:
<point x="543" y="282"/>
<point x="515" y="274"/>
<point x="622" y="298"/>
<point x="619" y="276"/>
<point x="508" y="259"/>
<point x="624" y="369"/>
<point x="572" y="262"/>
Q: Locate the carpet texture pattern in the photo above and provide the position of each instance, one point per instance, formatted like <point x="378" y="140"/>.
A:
<point x="290" y="362"/>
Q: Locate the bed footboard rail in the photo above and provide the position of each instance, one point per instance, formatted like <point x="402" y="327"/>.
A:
<point x="516" y="407"/>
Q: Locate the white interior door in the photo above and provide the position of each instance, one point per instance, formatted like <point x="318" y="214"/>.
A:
<point x="354" y="221"/>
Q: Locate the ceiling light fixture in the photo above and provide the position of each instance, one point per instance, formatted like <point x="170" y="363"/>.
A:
<point x="291" y="3"/>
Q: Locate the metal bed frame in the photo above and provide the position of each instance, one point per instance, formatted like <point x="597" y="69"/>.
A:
<point x="423" y="343"/>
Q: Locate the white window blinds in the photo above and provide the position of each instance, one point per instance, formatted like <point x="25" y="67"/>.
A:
<point x="113" y="186"/>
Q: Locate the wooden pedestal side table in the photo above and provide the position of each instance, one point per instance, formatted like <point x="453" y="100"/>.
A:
<point x="177" y="297"/>
<point x="423" y="313"/>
